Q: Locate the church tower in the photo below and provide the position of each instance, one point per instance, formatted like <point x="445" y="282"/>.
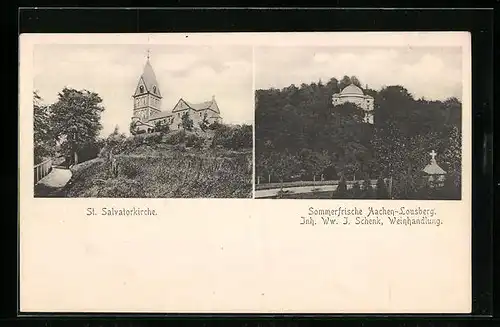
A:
<point x="147" y="96"/>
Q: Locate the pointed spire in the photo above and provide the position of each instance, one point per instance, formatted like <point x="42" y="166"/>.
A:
<point x="149" y="50"/>
<point x="148" y="80"/>
<point x="213" y="97"/>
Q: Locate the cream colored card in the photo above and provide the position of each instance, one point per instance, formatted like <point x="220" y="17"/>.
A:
<point x="243" y="251"/>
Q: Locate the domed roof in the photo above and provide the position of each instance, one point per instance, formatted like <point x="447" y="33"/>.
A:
<point x="352" y="90"/>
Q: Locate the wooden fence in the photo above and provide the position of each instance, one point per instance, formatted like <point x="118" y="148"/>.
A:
<point x="42" y="170"/>
<point x="267" y="186"/>
<point x="349" y="183"/>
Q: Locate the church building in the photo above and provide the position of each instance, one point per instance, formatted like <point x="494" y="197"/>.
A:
<point x="354" y="94"/>
<point x="148" y="100"/>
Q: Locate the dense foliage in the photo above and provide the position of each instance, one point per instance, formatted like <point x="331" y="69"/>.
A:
<point x="299" y="134"/>
<point x="71" y="126"/>
<point x="238" y="137"/>
<point x="187" y="122"/>
<point x="147" y="169"/>
<point x="43" y="138"/>
<point x="76" y="120"/>
<point x="233" y="137"/>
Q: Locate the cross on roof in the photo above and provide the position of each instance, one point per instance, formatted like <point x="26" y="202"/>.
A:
<point x="433" y="154"/>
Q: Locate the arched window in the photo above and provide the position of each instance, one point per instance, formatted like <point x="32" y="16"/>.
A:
<point x="141" y="89"/>
<point x="154" y="89"/>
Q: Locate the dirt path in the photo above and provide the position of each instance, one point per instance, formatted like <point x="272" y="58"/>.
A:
<point x="50" y="185"/>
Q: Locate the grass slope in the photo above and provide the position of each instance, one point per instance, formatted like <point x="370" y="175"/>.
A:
<point x="164" y="171"/>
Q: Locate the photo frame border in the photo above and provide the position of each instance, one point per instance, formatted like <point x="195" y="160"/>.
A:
<point x="478" y="22"/>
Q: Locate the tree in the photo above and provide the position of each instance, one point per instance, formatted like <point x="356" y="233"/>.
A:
<point x="161" y="127"/>
<point x="355" y="81"/>
<point x="284" y="165"/>
<point x="346" y="80"/>
<point x="215" y="125"/>
<point x="115" y="138"/>
<point x="76" y="118"/>
<point x="187" y="122"/>
<point x="452" y="156"/>
<point x="133" y="127"/>
<point x="302" y="123"/>
<point x="43" y="139"/>
<point x="204" y="124"/>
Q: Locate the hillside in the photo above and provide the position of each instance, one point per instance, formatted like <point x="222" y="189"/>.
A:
<point x="149" y="167"/>
<point x="300" y="135"/>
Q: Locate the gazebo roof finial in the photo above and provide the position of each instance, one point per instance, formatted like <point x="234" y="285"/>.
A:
<point x="433" y="168"/>
<point x="433" y="155"/>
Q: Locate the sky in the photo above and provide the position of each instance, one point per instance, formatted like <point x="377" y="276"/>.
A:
<point x="434" y="73"/>
<point x="194" y="73"/>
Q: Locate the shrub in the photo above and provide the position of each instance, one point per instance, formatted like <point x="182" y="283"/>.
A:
<point x="243" y="136"/>
<point x="138" y="139"/>
<point x="233" y="138"/>
<point x="195" y="141"/>
<point x="90" y="151"/>
<point x="179" y="147"/>
<point x="176" y="137"/>
<point x="451" y="189"/>
<point x="215" y="125"/>
<point x="341" y="191"/>
<point x="128" y="169"/>
<point x="153" y="138"/>
<point x="161" y="127"/>
<point x="204" y="124"/>
<point x="356" y="190"/>
<point x="187" y="122"/>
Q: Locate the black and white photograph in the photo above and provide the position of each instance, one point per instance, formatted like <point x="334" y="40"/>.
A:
<point x="358" y="122"/>
<point x="143" y="121"/>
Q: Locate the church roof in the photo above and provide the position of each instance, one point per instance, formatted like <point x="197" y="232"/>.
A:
<point x="434" y="169"/>
<point x="148" y="79"/>
<point x="161" y="114"/>
<point x="183" y="105"/>
<point x="352" y="90"/>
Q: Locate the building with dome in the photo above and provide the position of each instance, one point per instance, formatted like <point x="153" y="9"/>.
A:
<point x="354" y="94"/>
<point x="147" y="106"/>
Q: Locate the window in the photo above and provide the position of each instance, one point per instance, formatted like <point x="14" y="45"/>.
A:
<point x="141" y="89"/>
<point x="154" y="89"/>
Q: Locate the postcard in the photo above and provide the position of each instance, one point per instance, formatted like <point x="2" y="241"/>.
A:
<point x="245" y="173"/>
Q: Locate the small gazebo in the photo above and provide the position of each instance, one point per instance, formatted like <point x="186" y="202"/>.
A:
<point x="435" y="174"/>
